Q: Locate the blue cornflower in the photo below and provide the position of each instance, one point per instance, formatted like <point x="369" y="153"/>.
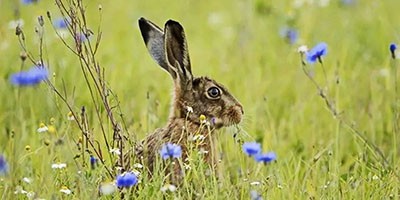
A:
<point x="93" y="161"/>
<point x="290" y="34"/>
<point x="81" y="37"/>
<point x="265" y="158"/>
<point x="31" y="77"/>
<point x="317" y="52"/>
<point x="26" y="2"/>
<point x="170" y="150"/>
<point x="348" y="2"/>
<point x="127" y="179"/>
<point x="251" y="148"/>
<point x="60" y="23"/>
<point x="254" y="195"/>
<point x="392" y="48"/>
<point x="3" y="165"/>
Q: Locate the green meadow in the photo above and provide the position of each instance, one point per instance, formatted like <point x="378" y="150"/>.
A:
<point x="333" y="126"/>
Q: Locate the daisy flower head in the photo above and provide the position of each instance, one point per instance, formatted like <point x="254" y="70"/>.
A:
<point x="59" y="165"/>
<point x="42" y="128"/>
<point x="108" y="188"/>
<point x="65" y="190"/>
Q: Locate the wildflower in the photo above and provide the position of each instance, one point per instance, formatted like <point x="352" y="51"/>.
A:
<point x="127" y="179"/>
<point x="265" y="158"/>
<point x="33" y="76"/>
<point x="317" y="52"/>
<point x="20" y="190"/>
<point x="168" y="187"/>
<point x="138" y="165"/>
<point x="27" y="180"/>
<point x="255" y="196"/>
<point x="189" y="109"/>
<point x="52" y="129"/>
<point x="42" y="128"/>
<point x="251" y="148"/>
<point x="14" y="23"/>
<point x="170" y="150"/>
<point x="81" y="37"/>
<point x="255" y="183"/>
<point x="65" y="190"/>
<point x="348" y="2"/>
<point x="107" y="188"/>
<point x="70" y="116"/>
<point x="302" y="49"/>
<point x="392" y="48"/>
<point x="30" y="195"/>
<point x="59" y="165"/>
<point x="290" y="34"/>
<point x="46" y="142"/>
<point x="202" y="119"/>
<point x="27" y="2"/>
<point x="115" y="151"/>
<point x="60" y="23"/>
<point x="198" y="137"/>
<point x="93" y="161"/>
<point x="3" y="165"/>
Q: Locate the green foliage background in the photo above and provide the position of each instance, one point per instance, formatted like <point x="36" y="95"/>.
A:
<point x="238" y="43"/>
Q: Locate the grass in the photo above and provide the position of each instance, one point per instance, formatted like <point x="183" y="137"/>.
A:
<point x="238" y="44"/>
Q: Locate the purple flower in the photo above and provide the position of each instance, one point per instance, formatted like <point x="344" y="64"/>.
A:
<point x="27" y="2"/>
<point x="3" y="165"/>
<point x="251" y="148"/>
<point x="170" y="150"/>
<point x="290" y="34"/>
<point x="392" y="48"/>
<point x="317" y="52"/>
<point x="348" y="2"/>
<point x="265" y="158"/>
<point x="127" y="179"/>
<point x="31" y="77"/>
<point x="60" y="23"/>
<point x="81" y="37"/>
<point x="93" y="161"/>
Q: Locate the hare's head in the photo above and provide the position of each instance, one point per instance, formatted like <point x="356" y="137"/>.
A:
<point x="205" y="96"/>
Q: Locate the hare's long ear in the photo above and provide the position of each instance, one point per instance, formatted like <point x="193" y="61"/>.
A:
<point x="153" y="37"/>
<point x="177" y="51"/>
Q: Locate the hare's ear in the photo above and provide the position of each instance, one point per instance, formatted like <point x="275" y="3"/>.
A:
<point x="177" y="51"/>
<point x="153" y="37"/>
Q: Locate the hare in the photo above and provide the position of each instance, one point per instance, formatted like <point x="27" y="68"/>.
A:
<point x="200" y="104"/>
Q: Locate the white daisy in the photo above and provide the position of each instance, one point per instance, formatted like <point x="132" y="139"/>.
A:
<point x="302" y="49"/>
<point x="14" y="23"/>
<point x="168" y="187"/>
<point x="27" y="180"/>
<point x="42" y="128"/>
<point x="59" y="165"/>
<point x="107" y="188"/>
<point x="115" y="151"/>
<point x="65" y="190"/>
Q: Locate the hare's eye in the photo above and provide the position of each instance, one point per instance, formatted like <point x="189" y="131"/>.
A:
<point x="214" y="93"/>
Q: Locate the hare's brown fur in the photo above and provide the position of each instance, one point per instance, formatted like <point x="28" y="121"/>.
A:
<point x="193" y="97"/>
